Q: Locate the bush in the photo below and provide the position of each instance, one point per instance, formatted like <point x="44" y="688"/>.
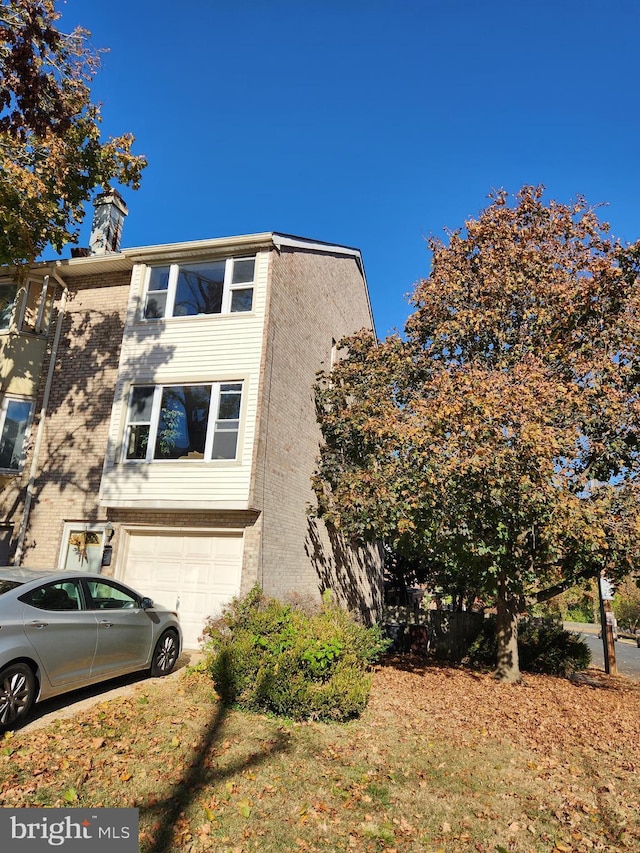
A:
<point x="549" y="649"/>
<point x="544" y="647"/>
<point x="265" y="655"/>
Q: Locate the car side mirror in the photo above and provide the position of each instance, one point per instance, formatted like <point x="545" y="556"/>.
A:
<point x="146" y="603"/>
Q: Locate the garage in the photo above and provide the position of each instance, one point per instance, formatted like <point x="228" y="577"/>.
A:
<point x="196" y="573"/>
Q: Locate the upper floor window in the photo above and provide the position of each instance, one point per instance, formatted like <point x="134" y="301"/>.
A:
<point x="8" y="294"/>
<point x="29" y="307"/>
<point x="15" y="418"/>
<point x="36" y="307"/>
<point x="199" y="422"/>
<point x="210" y="287"/>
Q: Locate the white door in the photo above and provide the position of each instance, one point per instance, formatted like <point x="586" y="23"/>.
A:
<point x="193" y="573"/>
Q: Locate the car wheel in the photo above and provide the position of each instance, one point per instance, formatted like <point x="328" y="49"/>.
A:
<point x="17" y="694"/>
<point x="165" y="654"/>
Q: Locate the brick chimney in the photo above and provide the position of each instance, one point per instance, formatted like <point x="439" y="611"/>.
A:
<point x="109" y="211"/>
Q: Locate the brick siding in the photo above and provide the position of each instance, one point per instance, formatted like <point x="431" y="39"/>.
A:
<point x="314" y="299"/>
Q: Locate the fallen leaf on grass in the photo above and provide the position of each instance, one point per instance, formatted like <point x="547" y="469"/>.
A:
<point x="244" y="808"/>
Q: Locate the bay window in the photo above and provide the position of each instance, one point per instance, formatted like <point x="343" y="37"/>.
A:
<point x="186" y="422"/>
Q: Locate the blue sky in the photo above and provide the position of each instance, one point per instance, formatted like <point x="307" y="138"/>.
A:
<point x="369" y="123"/>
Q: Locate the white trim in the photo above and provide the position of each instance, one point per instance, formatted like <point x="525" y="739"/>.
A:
<point x="280" y="240"/>
<point x="176" y="505"/>
<point x="126" y="258"/>
<point x="198" y="248"/>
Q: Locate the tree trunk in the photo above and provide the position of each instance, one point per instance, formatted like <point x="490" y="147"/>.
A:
<point x="508" y="664"/>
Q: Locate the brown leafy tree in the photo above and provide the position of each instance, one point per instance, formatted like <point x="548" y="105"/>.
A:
<point x="51" y="155"/>
<point x="500" y="439"/>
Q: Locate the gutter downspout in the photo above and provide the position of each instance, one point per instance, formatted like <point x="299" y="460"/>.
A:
<point x="43" y="412"/>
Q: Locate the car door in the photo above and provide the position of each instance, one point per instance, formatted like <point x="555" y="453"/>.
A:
<point x="61" y="630"/>
<point x="124" y="628"/>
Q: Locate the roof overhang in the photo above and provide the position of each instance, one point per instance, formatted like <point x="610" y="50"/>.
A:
<point x="126" y="258"/>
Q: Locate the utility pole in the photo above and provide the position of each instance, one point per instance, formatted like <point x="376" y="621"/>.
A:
<point x="605" y="594"/>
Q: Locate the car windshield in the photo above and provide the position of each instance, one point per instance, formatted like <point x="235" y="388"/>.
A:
<point x="7" y="586"/>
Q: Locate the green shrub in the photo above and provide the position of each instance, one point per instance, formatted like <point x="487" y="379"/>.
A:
<point x="549" y="649"/>
<point x="265" y="655"/>
<point x="544" y="647"/>
<point x="581" y="613"/>
<point x="483" y="650"/>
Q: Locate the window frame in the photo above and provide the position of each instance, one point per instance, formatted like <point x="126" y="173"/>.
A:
<point x="42" y="293"/>
<point x="4" y="407"/>
<point x="44" y="299"/>
<point x="216" y="392"/>
<point x="8" y="283"/>
<point x="228" y="289"/>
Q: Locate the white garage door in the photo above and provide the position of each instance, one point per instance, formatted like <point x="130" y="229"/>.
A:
<point x="195" y="573"/>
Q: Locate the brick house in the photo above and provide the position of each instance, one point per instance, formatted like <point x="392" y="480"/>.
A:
<point x="175" y="432"/>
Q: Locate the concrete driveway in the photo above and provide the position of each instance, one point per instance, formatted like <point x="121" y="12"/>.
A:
<point x="69" y="704"/>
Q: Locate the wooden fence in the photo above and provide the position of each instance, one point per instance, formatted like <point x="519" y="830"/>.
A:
<point x="444" y="633"/>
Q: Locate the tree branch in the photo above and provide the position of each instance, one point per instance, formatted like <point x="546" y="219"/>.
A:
<point x="562" y="586"/>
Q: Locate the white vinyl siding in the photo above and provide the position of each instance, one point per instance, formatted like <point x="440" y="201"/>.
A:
<point x="204" y="349"/>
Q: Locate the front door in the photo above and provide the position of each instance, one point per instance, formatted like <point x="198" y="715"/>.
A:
<point x="82" y="548"/>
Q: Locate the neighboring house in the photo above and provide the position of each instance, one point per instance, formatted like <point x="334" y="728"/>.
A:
<point x="25" y="315"/>
<point x="176" y="430"/>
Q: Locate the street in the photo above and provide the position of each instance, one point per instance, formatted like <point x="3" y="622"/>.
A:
<point x="627" y="652"/>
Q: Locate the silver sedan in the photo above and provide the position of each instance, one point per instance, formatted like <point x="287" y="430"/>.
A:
<point x="63" y="630"/>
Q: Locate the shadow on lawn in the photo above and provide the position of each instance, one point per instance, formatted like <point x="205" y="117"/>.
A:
<point x="421" y="664"/>
<point x="199" y="773"/>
